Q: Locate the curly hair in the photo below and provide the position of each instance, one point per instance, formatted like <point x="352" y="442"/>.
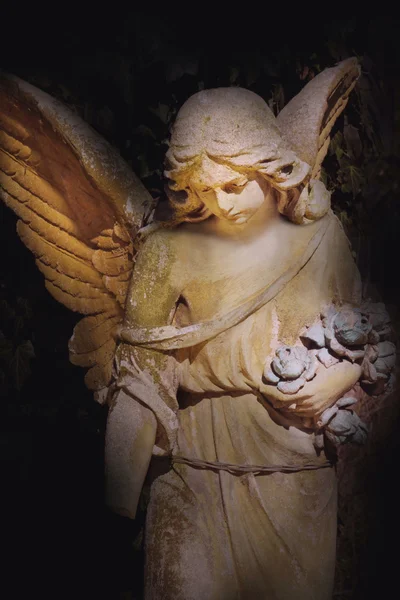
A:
<point x="230" y="130"/>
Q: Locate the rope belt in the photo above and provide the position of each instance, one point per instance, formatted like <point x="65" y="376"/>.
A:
<point x="221" y="466"/>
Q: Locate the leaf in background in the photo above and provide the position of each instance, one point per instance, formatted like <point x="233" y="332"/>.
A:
<point x="345" y="219"/>
<point x="356" y="179"/>
<point x="162" y="112"/>
<point x="324" y="177"/>
<point x="352" y="178"/>
<point x="353" y="141"/>
<point x="20" y="363"/>
<point x="329" y="183"/>
<point x="336" y="145"/>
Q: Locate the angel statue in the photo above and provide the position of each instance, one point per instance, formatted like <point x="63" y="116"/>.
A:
<point x="226" y="330"/>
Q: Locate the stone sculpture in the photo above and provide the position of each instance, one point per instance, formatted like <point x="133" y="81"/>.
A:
<point x="227" y="334"/>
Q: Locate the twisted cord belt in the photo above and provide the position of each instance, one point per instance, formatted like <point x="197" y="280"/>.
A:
<point x="231" y="468"/>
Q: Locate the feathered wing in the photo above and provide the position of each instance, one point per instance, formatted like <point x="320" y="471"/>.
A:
<point x="307" y="120"/>
<point x="79" y="207"/>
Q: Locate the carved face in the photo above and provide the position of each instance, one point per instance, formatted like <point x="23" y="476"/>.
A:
<point x="236" y="202"/>
<point x="228" y="194"/>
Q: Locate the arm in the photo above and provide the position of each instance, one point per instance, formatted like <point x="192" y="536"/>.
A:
<point x="143" y="376"/>
<point x="130" y="437"/>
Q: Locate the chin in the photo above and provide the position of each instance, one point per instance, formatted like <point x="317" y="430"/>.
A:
<point x="241" y="220"/>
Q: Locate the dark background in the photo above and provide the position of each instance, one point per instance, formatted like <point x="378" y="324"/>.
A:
<point x="127" y="73"/>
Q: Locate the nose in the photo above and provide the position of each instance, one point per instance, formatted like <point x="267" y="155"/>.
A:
<point x="224" y="201"/>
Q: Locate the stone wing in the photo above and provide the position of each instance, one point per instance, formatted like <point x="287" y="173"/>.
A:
<point x="79" y="208"/>
<point x="307" y="120"/>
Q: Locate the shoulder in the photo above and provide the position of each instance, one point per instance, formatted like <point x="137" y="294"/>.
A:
<point x="177" y="244"/>
<point x="157" y="251"/>
<point x="155" y="284"/>
<point x="163" y="257"/>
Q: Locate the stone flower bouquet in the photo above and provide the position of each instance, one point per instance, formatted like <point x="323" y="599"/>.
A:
<point x="360" y="335"/>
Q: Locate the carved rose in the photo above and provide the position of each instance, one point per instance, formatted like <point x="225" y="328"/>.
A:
<point x="291" y="368"/>
<point x="386" y="359"/>
<point x="355" y="334"/>
<point x="346" y="426"/>
<point x="353" y="328"/>
<point x="290" y="362"/>
<point x="339" y="424"/>
<point x="379" y="318"/>
<point x="378" y="363"/>
<point x="347" y="331"/>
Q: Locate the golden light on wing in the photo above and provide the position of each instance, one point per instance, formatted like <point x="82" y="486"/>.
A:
<point x="78" y="205"/>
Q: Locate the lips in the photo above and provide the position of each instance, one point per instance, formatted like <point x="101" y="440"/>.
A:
<point x="234" y="216"/>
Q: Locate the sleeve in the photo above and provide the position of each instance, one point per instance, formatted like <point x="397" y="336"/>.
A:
<point x="149" y="376"/>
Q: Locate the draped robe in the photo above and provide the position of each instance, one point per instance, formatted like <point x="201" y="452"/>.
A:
<point x="212" y="534"/>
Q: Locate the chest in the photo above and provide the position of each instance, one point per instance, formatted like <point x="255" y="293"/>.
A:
<point x="220" y="274"/>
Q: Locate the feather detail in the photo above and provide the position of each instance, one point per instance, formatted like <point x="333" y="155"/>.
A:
<point x="307" y="120"/>
<point x="77" y="204"/>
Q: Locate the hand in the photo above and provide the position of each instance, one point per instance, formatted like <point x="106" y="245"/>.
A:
<point x="317" y="395"/>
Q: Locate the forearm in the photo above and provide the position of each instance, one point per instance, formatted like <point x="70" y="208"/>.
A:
<point x="130" y="437"/>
